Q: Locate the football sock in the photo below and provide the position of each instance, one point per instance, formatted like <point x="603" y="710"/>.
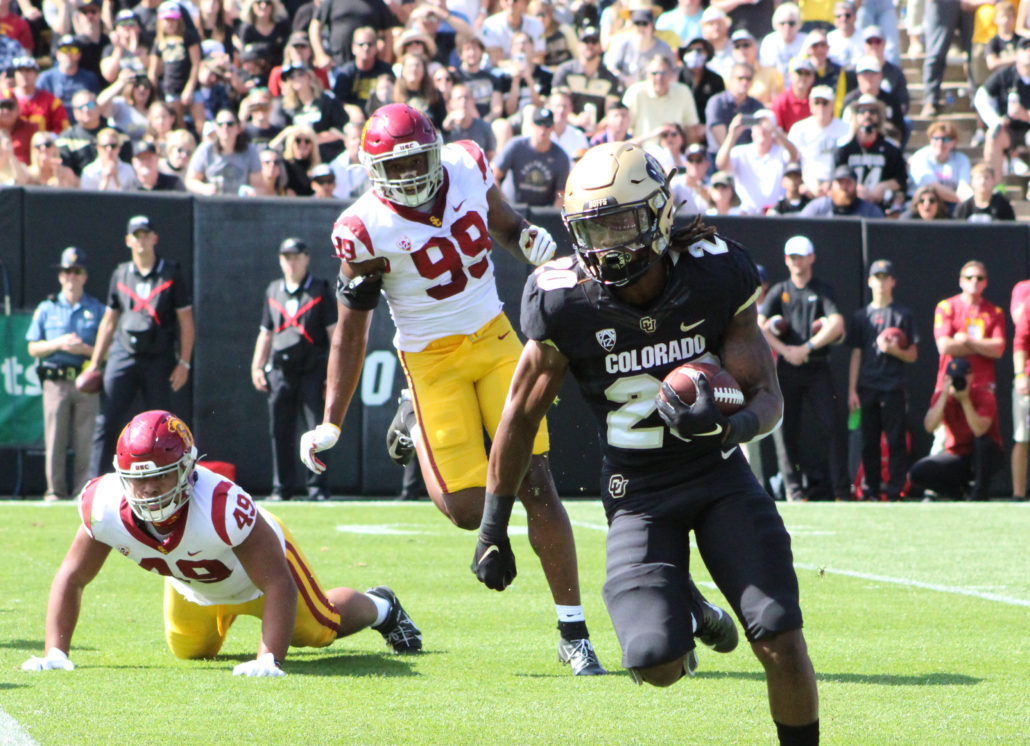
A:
<point x="569" y="613"/>
<point x="382" y="608"/>
<point x="798" y="735"/>
<point x="573" y="630"/>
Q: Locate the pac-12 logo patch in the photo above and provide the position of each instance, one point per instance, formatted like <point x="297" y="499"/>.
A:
<point x="404" y="244"/>
<point x="617" y="485"/>
<point x="606" y="338"/>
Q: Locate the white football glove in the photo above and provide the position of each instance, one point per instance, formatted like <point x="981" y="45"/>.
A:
<point x="55" y="660"/>
<point x="321" y="438"/>
<point x="263" y="665"/>
<point x="536" y="243"/>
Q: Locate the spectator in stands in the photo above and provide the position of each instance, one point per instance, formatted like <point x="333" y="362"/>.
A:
<point x="108" y="173"/>
<point x="538" y="166"/>
<point x="569" y="137"/>
<point x="177" y="150"/>
<point x="881" y="170"/>
<point x="842" y="200"/>
<point x="78" y="142"/>
<point x="12" y="170"/>
<point x="877" y="380"/>
<point x="986" y="205"/>
<point x="213" y="23"/>
<point x="793" y="105"/>
<point x="351" y="177"/>
<point x="299" y="156"/>
<point x="941" y="164"/>
<point x="500" y="28"/>
<point x="38" y="107"/>
<point x="175" y="62"/>
<point x="684" y="20"/>
<point x="337" y="20"/>
<point x="702" y="81"/>
<point x="486" y="86"/>
<point x="723" y="107"/>
<point x="15" y="28"/>
<point x="614" y="126"/>
<point x="592" y="86"/>
<point x="145" y="164"/>
<point x="1003" y="103"/>
<point x="846" y="45"/>
<point x="870" y="79"/>
<point x="215" y="88"/>
<point x="356" y="78"/>
<point x="415" y="87"/>
<point x="670" y="148"/>
<point x="660" y="99"/>
<point x="524" y="83"/>
<point x="559" y="38"/>
<point x="1019" y="307"/>
<point x="757" y="166"/>
<point x="127" y="51"/>
<point x="9" y="50"/>
<point x="722" y="195"/>
<point x="926" y="204"/>
<point x="1001" y="49"/>
<point x="226" y="163"/>
<point x="323" y="181"/>
<point x="688" y="187"/>
<point x="969" y="326"/>
<point x="793" y="200"/>
<point x="45" y="167"/>
<point x="767" y="83"/>
<point x="272" y="179"/>
<point x="827" y="72"/>
<point x="942" y="18"/>
<point x="88" y="29"/>
<point x="413" y="41"/>
<point x="973" y="451"/>
<point x="894" y="80"/>
<point x="125" y="103"/>
<point x="463" y="123"/>
<point x="256" y="115"/>
<point x="715" y="28"/>
<point x="65" y="78"/>
<point x="444" y="79"/>
<point x="304" y="102"/>
<point x="254" y="68"/>
<point x="298" y="52"/>
<point x="381" y="95"/>
<point x="630" y="54"/>
<point x="806" y="379"/>
<point x="695" y="175"/>
<point x="784" y="43"/>
<point x="265" y="22"/>
<point x="18" y="131"/>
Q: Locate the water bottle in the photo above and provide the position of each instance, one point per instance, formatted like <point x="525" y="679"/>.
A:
<point x="854" y="419"/>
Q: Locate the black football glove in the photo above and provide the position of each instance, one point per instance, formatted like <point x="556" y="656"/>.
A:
<point x="493" y="562"/>
<point x="701" y="421"/>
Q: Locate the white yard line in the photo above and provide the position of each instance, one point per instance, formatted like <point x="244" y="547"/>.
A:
<point x="11" y="732"/>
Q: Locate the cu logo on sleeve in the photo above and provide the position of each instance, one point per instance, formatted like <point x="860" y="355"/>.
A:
<point x="617" y="485"/>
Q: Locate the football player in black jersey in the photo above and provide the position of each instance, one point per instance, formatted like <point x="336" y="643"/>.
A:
<point x="635" y="302"/>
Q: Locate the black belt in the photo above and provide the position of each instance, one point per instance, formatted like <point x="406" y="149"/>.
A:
<point x="57" y="372"/>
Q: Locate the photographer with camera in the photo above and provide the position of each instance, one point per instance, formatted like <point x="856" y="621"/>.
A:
<point x="972" y="449"/>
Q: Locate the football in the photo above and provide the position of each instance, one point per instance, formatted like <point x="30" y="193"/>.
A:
<point x="777" y="325"/>
<point x="89" y="381"/>
<point x="817" y="325"/>
<point x="728" y="396"/>
<point x="898" y="335"/>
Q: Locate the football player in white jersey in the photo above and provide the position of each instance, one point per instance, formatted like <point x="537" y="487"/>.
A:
<point x="221" y="555"/>
<point x="422" y="237"/>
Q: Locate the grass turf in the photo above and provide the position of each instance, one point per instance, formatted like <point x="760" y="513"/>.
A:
<point x="916" y="619"/>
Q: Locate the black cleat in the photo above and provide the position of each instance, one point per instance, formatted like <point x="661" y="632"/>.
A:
<point x="399" y="444"/>
<point x="581" y="656"/>
<point x="400" y="633"/>
<point x="715" y="627"/>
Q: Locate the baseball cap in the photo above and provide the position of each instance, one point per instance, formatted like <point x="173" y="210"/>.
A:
<point x="697" y="149"/>
<point x="289" y="70"/>
<point x="958" y="367"/>
<point x="68" y="40"/>
<point x="724" y="178"/>
<point x="142" y="148"/>
<point x="211" y="48"/>
<point x="24" y="62"/>
<point x="138" y="223"/>
<point x="813" y="38"/>
<point x="765" y="114"/>
<point x="643" y="14"/>
<point x="881" y="267"/>
<point x="868" y="64"/>
<point x="83" y="4"/>
<point x="872" y="32"/>
<point x="798" y="246"/>
<point x="299" y="39"/>
<point x="321" y="171"/>
<point x="742" y="34"/>
<point x="792" y="168"/>
<point x="252" y="52"/>
<point x="844" y="172"/>
<point x="293" y="245"/>
<point x="169" y="9"/>
<point x="713" y="14"/>
<point x="867" y="99"/>
<point x="821" y="91"/>
<point x="543" y="117"/>
<point x="125" y="17"/>
<point x="801" y="63"/>
<point x="72" y="257"/>
<point x="587" y="32"/>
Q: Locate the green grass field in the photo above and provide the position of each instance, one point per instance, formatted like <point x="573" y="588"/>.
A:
<point x="917" y="619"/>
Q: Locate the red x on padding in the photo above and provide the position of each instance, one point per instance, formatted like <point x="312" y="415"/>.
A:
<point x="293" y="320"/>
<point x="144" y="303"/>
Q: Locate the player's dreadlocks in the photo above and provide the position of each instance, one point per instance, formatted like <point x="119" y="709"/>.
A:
<point x="683" y="238"/>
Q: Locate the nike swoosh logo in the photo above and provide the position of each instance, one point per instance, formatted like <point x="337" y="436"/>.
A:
<point x="502" y="336"/>
<point x="688" y="327"/>
<point x="194" y="554"/>
<point x="458" y="206"/>
<point x="726" y="454"/>
<point x="716" y="431"/>
<point x="492" y="549"/>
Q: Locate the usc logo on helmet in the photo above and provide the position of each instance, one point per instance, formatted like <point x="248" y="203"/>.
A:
<point x="178" y="427"/>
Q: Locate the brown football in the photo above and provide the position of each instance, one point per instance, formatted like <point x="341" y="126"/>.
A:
<point x="817" y="326"/>
<point x="89" y="381"/>
<point x="728" y="396"/>
<point x="777" y="325"/>
<point x="899" y="336"/>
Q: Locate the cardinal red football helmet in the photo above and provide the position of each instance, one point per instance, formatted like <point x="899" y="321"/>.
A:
<point x="398" y="131"/>
<point x="153" y="444"/>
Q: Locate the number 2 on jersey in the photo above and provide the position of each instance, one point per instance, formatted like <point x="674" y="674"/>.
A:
<point x="449" y="262"/>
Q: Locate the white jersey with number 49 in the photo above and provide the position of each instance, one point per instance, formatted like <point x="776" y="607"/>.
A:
<point x="440" y="278"/>
<point x="197" y="555"/>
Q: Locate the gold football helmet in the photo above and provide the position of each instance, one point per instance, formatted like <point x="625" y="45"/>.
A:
<point x="618" y="210"/>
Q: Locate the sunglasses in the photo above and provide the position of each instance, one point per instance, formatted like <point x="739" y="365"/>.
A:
<point x="302" y="141"/>
<point x="670" y="133"/>
<point x="976" y="278"/>
<point x="788" y="23"/>
<point x="181" y="151"/>
<point x="742" y="45"/>
<point x="109" y="145"/>
<point x="868" y="111"/>
<point x="591" y="40"/>
<point x="225" y="123"/>
<point x="641" y="23"/>
<point x="270" y="163"/>
<point x="842" y="15"/>
<point x="364" y="44"/>
<point x="42" y="145"/>
<point x="941" y="138"/>
<point x="9" y="105"/>
<point x="874" y="41"/>
<point x="928" y="200"/>
<point x="72" y="271"/>
<point x="658" y="73"/>
<point x="722" y="186"/>
<point x="744" y="77"/>
<point x="324" y="180"/>
<point x="68" y="50"/>
<point x="821" y="102"/>
<point x="89" y="105"/>
<point x="696" y="159"/>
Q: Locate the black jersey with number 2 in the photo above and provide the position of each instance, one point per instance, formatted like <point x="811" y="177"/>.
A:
<point x="620" y="353"/>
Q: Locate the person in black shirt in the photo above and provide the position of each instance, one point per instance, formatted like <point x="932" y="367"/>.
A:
<point x="148" y="299"/>
<point x="594" y="88"/>
<point x="356" y="79"/>
<point x="793" y="200"/>
<point x="145" y="162"/>
<point x="878" y="165"/>
<point x="803" y="367"/>
<point x="289" y="363"/>
<point x="986" y="205"/>
<point x="635" y="302"/>
<point x="484" y="85"/>
<point x="696" y="75"/>
<point x="340" y="18"/>
<point x="877" y="379"/>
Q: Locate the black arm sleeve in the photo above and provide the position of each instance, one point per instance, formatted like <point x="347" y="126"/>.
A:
<point x="360" y="293"/>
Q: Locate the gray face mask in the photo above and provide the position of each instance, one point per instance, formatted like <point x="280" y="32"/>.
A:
<point x="694" y="59"/>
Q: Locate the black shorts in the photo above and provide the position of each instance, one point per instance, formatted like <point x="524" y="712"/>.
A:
<point x="741" y="539"/>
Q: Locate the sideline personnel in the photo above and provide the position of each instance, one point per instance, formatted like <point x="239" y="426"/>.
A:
<point x="289" y="363"/>
<point x="146" y="299"/>
<point x="62" y="334"/>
